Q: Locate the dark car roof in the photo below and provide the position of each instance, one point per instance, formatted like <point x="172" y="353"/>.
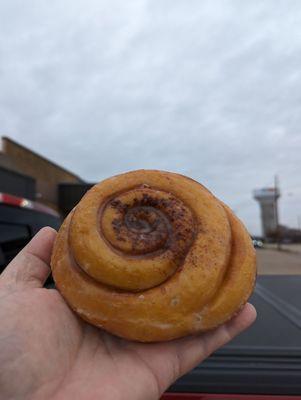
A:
<point x="264" y="359"/>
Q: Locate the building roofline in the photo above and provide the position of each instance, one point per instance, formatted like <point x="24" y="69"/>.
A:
<point x="6" y="138"/>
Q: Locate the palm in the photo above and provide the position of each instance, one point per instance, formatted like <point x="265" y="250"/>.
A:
<point x="58" y="346"/>
<point x="48" y="352"/>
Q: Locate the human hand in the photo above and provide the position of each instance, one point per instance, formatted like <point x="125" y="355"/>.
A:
<point x="47" y="352"/>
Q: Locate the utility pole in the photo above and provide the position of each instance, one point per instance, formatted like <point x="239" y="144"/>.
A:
<point x="299" y="222"/>
<point x="278" y="239"/>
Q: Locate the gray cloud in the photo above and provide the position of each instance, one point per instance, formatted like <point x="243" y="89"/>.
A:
<point x="210" y="89"/>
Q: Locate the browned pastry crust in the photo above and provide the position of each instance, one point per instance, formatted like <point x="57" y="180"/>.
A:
<point x="152" y="255"/>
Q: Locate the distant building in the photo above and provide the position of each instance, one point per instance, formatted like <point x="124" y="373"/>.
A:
<point x="271" y="229"/>
<point x="289" y="235"/>
<point x="268" y="199"/>
<point x="42" y="175"/>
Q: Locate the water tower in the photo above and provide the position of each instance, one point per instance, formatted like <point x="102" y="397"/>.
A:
<point x="268" y="198"/>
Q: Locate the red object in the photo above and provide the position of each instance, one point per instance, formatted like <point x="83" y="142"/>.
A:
<point x="11" y="200"/>
<point x="196" y="396"/>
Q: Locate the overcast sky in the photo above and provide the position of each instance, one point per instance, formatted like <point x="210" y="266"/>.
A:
<point x="210" y="89"/>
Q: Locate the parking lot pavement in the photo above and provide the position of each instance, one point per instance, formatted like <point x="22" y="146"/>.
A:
<point x="285" y="262"/>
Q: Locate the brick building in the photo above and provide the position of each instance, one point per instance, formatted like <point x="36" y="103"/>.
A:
<point x="47" y="174"/>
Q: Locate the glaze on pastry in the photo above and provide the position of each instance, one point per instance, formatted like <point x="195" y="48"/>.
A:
<point x="151" y="255"/>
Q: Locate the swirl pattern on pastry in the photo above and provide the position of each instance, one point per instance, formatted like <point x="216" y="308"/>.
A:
<point x="152" y="255"/>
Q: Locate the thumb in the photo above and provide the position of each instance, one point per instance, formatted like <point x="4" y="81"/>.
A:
<point x="30" y="268"/>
